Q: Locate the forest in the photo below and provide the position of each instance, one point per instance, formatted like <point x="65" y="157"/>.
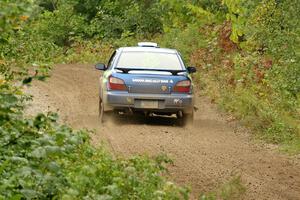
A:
<point x="247" y="54"/>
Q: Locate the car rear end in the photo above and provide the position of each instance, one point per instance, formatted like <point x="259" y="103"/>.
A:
<point x="160" y="94"/>
<point x="161" y="86"/>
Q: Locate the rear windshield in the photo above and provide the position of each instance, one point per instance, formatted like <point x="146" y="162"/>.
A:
<point x="149" y="60"/>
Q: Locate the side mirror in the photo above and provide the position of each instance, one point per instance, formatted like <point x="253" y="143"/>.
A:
<point x="191" y="70"/>
<point x="100" y="66"/>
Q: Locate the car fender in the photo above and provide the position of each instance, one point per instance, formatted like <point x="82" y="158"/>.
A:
<point x="103" y="89"/>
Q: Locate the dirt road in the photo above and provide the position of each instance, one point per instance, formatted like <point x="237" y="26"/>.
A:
<point x="205" y="156"/>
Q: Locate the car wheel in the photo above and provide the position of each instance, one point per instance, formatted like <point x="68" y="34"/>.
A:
<point x="189" y="119"/>
<point x="101" y="110"/>
<point x="185" y="119"/>
<point x="104" y="115"/>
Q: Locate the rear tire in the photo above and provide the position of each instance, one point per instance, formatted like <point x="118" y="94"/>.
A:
<point x="101" y="111"/>
<point x="185" y="119"/>
<point x="103" y="116"/>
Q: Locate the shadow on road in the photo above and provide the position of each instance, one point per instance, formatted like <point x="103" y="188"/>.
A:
<point x="142" y="120"/>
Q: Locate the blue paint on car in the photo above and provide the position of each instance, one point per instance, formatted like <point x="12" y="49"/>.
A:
<point x="146" y="79"/>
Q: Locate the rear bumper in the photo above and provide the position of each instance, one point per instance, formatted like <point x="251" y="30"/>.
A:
<point x="168" y="103"/>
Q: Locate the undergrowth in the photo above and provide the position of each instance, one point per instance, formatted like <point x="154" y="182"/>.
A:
<point x="41" y="159"/>
<point x="231" y="190"/>
<point x="261" y="89"/>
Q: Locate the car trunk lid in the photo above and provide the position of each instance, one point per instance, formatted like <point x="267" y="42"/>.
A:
<point x="151" y="83"/>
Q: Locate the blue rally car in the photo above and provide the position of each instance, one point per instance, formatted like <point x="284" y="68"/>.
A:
<point x="146" y="79"/>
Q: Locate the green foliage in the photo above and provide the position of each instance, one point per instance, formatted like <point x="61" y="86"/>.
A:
<point x="238" y="14"/>
<point x="14" y="14"/>
<point x="246" y="85"/>
<point x="60" y="26"/>
<point x="116" y="18"/>
<point x="90" y="51"/>
<point x="272" y="28"/>
<point x="41" y="159"/>
<point x="185" y="40"/>
<point x="20" y="46"/>
<point x="180" y="13"/>
<point x="257" y="77"/>
<point x="233" y="189"/>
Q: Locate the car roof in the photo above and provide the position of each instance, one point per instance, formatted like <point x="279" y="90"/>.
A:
<point x="147" y="49"/>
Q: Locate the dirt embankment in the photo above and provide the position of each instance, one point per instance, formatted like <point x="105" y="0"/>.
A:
<point x="205" y="156"/>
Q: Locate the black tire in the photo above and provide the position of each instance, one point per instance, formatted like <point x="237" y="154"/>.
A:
<point x="189" y="119"/>
<point x="104" y="115"/>
<point x="101" y="111"/>
<point x="185" y="119"/>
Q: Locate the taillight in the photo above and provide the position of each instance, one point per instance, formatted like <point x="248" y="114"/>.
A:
<point x="183" y="86"/>
<point x="116" y="84"/>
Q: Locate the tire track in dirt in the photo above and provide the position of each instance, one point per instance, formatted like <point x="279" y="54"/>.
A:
<point x="205" y="155"/>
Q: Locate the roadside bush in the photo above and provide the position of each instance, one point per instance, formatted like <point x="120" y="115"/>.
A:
<point x="87" y="51"/>
<point x="60" y="26"/>
<point x="247" y="64"/>
<point x="20" y="46"/>
<point x="185" y="40"/>
<point x="41" y="159"/>
<point x="117" y="18"/>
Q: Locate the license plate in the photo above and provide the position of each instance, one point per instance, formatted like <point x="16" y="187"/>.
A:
<point x="149" y="104"/>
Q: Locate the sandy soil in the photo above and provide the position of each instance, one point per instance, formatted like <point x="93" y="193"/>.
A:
<point x="205" y="156"/>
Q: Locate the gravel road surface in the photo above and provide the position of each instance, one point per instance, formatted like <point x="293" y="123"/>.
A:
<point x="205" y="156"/>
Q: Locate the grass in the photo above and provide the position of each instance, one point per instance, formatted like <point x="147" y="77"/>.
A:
<point x="266" y="120"/>
<point x="231" y="190"/>
<point x="240" y="85"/>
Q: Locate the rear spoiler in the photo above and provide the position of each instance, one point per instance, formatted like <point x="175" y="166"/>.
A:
<point x="174" y="72"/>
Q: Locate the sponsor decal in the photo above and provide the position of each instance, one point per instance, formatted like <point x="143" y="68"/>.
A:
<point x="178" y="101"/>
<point x="142" y="80"/>
<point x="164" y="88"/>
<point x="129" y="100"/>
